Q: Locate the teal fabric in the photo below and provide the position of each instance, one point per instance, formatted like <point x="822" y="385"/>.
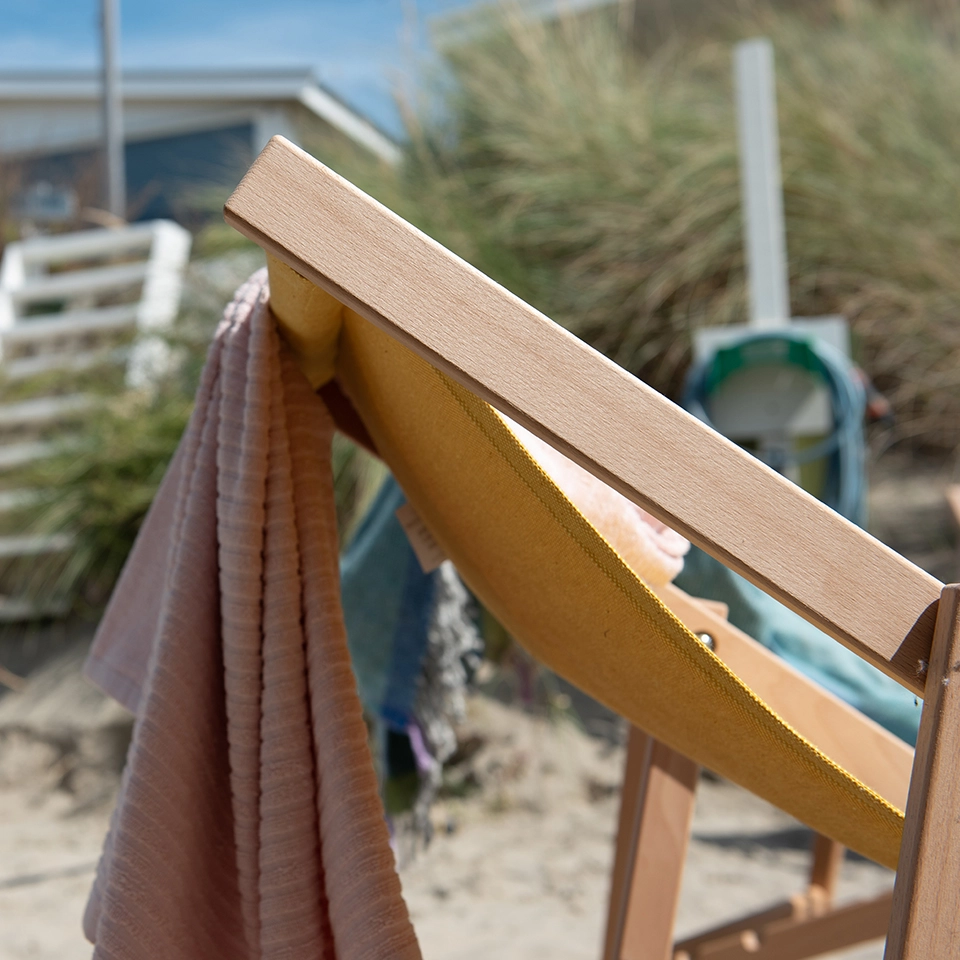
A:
<point x="387" y="603"/>
<point x="803" y="646"/>
<point x="843" y="451"/>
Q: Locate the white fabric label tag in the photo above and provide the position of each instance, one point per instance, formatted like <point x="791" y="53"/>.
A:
<point x="428" y="551"/>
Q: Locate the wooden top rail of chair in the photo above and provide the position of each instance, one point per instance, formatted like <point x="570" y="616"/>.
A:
<point x="837" y="576"/>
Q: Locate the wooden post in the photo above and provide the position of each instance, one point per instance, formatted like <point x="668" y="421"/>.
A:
<point x="925" y="923"/>
<point x="764" y="234"/>
<point x="659" y="788"/>
<point x="113" y="142"/>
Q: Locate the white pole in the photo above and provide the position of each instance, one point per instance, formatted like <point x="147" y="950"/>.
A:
<point x="116" y="187"/>
<point x="760" y="185"/>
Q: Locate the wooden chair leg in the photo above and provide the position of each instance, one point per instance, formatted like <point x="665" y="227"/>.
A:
<point x="656" y="811"/>
<point x="797" y="937"/>
<point x="743" y="931"/>
<point x="806" y="925"/>
<point x="926" y="900"/>
<point x="628" y="828"/>
<point x="825" y="870"/>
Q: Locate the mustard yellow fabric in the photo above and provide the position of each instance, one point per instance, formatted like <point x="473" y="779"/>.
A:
<point x="564" y="593"/>
<point x="311" y="324"/>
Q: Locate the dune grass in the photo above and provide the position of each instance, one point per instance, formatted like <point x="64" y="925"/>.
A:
<point x="601" y="183"/>
<point x="597" y="177"/>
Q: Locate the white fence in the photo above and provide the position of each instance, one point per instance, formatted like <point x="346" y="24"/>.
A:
<point x="70" y="304"/>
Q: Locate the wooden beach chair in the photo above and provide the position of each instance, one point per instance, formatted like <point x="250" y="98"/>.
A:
<point x="428" y="349"/>
<point x="657" y="805"/>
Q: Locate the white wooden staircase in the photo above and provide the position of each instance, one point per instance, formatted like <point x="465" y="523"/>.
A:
<point x="76" y="311"/>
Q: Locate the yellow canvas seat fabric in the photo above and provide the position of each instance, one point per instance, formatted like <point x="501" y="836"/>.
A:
<point x="566" y="595"/>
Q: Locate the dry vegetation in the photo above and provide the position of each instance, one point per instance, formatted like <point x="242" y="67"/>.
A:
<point x="590" y="165"/>
<point x="598" y="178"/>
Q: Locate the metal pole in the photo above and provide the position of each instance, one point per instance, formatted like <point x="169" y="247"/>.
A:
<point x="760" y="186"/>
<point x="116" y="186"/>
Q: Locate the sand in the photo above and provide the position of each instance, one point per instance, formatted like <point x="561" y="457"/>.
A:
<point x="518" y="868"/>
<point x="520" y="863"/>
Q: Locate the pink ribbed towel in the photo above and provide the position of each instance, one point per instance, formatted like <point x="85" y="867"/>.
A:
<point x="248" y="824"/>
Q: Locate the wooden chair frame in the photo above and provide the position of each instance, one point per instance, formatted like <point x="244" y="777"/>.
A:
<point x="655" y="815"/>
<point x="657" y="808"/>
<point x="842" y="580"/>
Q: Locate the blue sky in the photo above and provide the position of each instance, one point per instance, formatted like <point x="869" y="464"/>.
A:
<point x="359" y="48"/>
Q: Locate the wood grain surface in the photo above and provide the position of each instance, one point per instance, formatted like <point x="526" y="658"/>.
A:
<point x="799" y="939"/>
<point x="744" y="514"/>
<point x="925" y="923"/>
<point x="656" y="811"/>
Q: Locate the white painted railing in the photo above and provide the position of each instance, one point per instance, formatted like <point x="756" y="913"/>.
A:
<point x="93" y="300"/>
